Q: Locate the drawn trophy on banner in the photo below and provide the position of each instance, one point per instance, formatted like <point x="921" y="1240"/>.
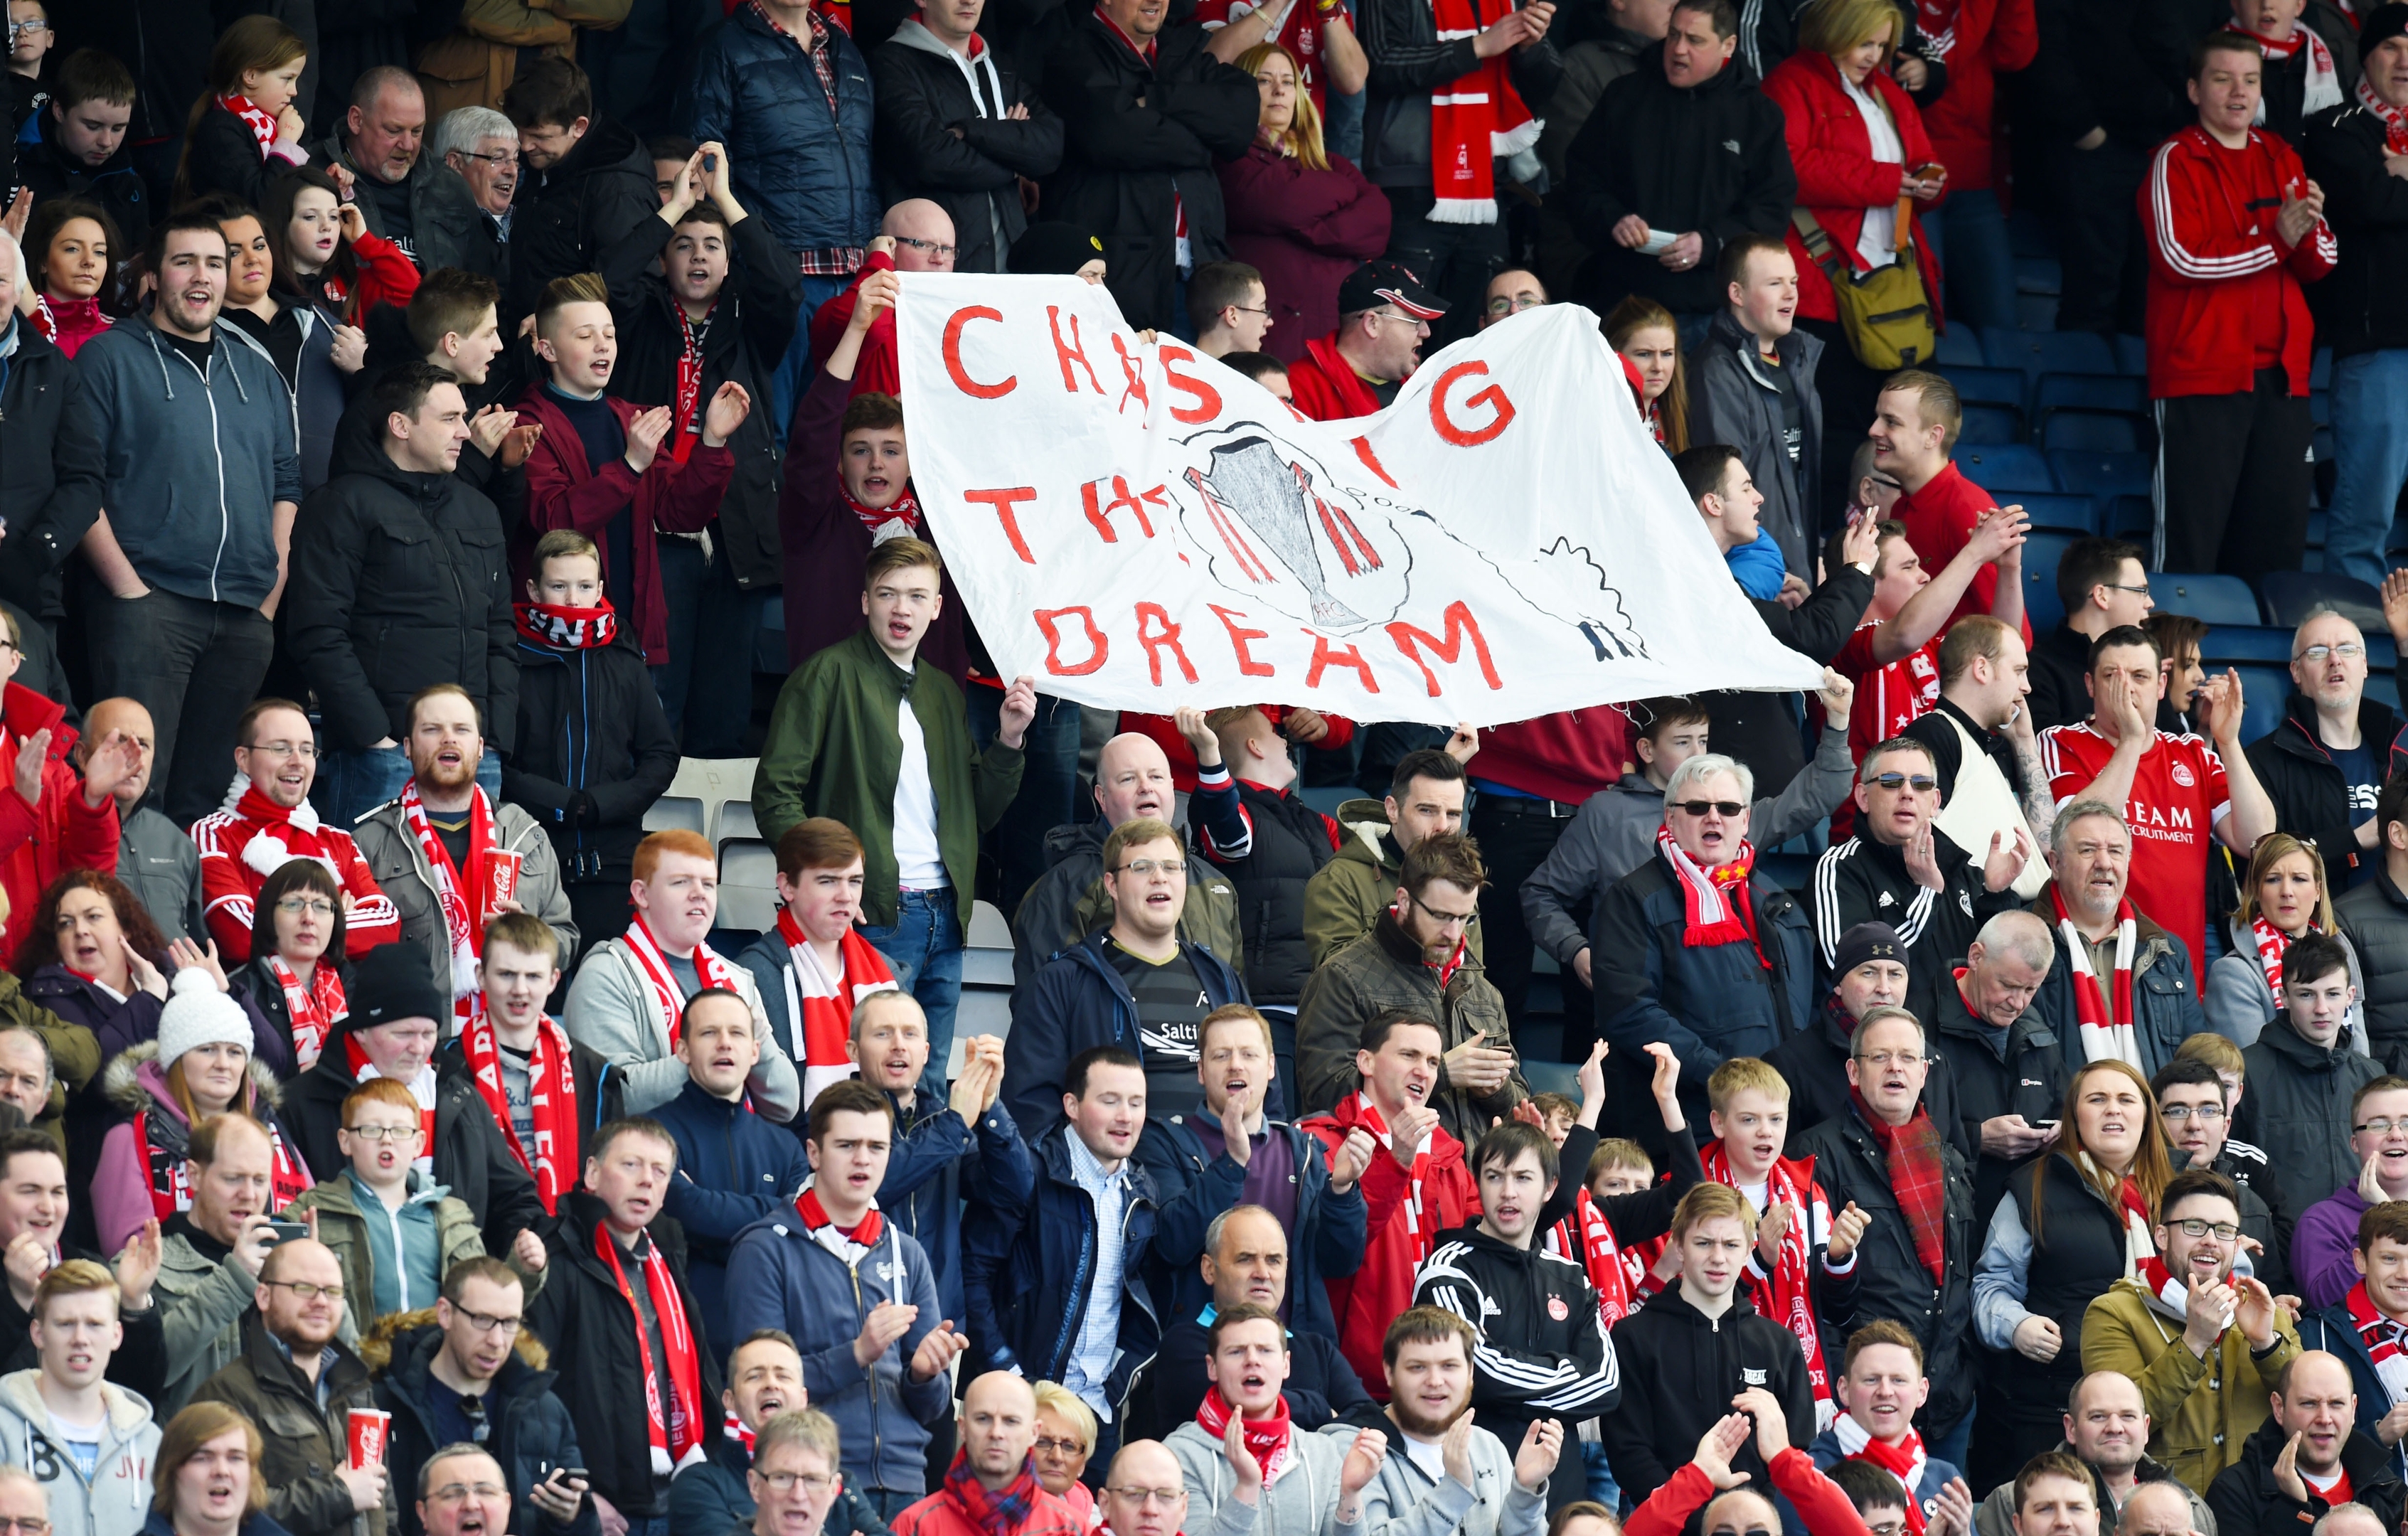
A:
<point x="1289" y="529"/>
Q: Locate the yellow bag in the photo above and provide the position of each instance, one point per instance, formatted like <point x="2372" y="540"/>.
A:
<point x="1884" y="314"/>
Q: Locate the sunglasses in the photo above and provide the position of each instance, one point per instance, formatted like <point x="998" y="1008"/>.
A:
<point x="1698" y="808"/>
<point x="1922" y="783"/>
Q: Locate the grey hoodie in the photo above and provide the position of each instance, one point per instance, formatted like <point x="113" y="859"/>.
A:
<point x="195" y="461"/>
<point x="116" y="1498"/>
<point x="1402" y="1500"/>
<point x="1303" y="1502"/>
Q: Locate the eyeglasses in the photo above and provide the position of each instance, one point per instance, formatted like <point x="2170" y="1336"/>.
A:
<point x="1892" y="1059"/>
<point x="1885" y="1527"/>
<point x="483" y="1324"/>
<point x="23" y="1527"/>
<point x="1922" y="783"/>
<point x="2194" y="1227"/>
<point x="497" y="159"/>
<point x="1158" y="1498"/>
<point x="784" y="1482"/>
<point x="2382" y="1127"/>
<point x="293" y="906"/>
<point x="2346" y="651"/>
<point x="304" y="1291"/>
<point x="2206" y="1114"/>
<point x="305" y="750"/>
<point x="451" y="1493"/>
<point x="1251" y="310"/>
<point x="1444" y="919"/>
<point x="932" y="247"/>
<point x="1508" y="304"/>
<point x="2141" y="591"/>
<point x="1148" y="866"/>
<point x="1420" y="326"/>
<point x="1059" y="1448"/>
<point x="387" y="1133"/>
<point x="1727" y="1530"/>
<point x="1698" y="808"/>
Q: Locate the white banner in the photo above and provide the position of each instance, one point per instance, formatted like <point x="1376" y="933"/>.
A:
<point x="1138" y="527"/>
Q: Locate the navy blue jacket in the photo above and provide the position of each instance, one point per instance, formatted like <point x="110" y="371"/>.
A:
<point x="803" y="169"/>
<point x="1078" y="1002"/>
<point x="1027" y="1264"/>
<point x="2331" y="1330"/>
<point x="1327" y="1241"/>
<point x="733" y="1169"/>
<point x="937" y="1161"/>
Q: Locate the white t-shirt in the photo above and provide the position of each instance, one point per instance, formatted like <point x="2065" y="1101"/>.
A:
<point x="1880" y="232"/>
<point x="82" y="1441"/>
<point x="1758" y="1194"/>
<point x="1427" y="1454"/>
<point x="919" y="862"/>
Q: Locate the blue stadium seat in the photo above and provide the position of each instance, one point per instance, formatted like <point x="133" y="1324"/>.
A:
<point x="1958" y="347"/>
<point x="2099" y="474"/>
<point x="2048" y="352"/>
<point x="2217" y="599"/>
<point x="2076" y="515"/>
<point x="2041" y="551"/>
<point x="2245" y="645"/>
<point x="1793" y="870"/>
<point x="2263" y="691"/>
<point x="2131" y="355"/>
<point x="1983" y="386"/>
<point x="2320" y="369"/>
<point x="2091" y="392"/>
<point x="2005" y="468"/>
<point x="2090" y="432"/>
<point x="2039" y="275"/>
<point x="2290" y="593"/>
<point x="1991" y="426"/>
<point x="2131" y="518"/>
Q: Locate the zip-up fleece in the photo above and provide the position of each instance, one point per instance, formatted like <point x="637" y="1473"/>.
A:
<point x="195" y="461"/>
<point x="1303" y="1502"/>
<point x="117" y="1495"/>
<point x="778" y="1277"/>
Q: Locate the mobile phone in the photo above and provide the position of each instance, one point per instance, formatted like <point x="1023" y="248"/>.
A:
<point x="710" y="164"/>
<point x="286" y="1231"/>
<point x="572" y="1475"/>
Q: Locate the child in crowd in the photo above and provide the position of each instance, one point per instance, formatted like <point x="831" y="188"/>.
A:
<point x="29" y="47"/>
<point x="244" y="130"/>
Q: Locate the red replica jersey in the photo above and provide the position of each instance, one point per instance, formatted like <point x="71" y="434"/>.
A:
<point x="2178" y="798"/>
<point x="1889" y="698"/>
<point x="1300" y="34"/>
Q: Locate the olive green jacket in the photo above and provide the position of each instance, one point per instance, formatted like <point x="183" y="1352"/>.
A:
<point x="2201" y="1411"/>
<point x="1347" y="895"/>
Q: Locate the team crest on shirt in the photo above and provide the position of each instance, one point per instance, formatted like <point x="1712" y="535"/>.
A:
<point x="1965" y="899"/>
<point x="2181" y="774"/>
<point x="1556" y="1309"/>
<point x="1753" y="1377"/>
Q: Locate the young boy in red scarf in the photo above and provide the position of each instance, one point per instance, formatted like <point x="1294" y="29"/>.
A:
<point x="1881" y="1387"/>
<point x="1243" y="1445"/>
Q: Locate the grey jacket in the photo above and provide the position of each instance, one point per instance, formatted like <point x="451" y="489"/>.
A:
<point x="402" y="872"/>
<point x="1401" y="1499"/>
<point x="439" y="234"/>
<point x="611" y="1010"/>
<point x="200" y="1310"/>
<point x="1614" y="833"/>
<point x="1303" y="1502"/>
<point x="196" y="462"/>
<point x="2239" y="1005"/>
<point x="159" y="862"/>
<point x="117" y="1499"/>
<point x="1732" y="400"/>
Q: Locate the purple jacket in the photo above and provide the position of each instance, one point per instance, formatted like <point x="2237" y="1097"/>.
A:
<point x="2321" y="1246"/>
<point x="118" y="1023"/>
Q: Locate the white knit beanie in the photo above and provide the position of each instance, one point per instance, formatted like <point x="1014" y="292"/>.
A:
<point x="198" y="1013"/>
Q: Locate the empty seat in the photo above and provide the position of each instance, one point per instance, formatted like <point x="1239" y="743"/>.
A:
<point x="2086" y="473"/>
<point x="2090" y="431"/>
<point x="2059" y="513"/>
<point x="2006" y="467"/>
<point x="2215" y="599"/>
<point x="2263" y="693"/>
<point x="2048" y="352"/>
<point x="1958" y="347"/>
<point x="2041" y="551"/>
<point x="2131" y="355"/>
<point x="1991" y="426"/>
<point x="748" y="885"/>
<point x="2290" y="593"/>
<point x="2131" y="518"/>
<point x="1987" y="386"/>
<point x="673" y="813"/>
<point x="736" y="820"/>
<point x="2091" y="392"/>
<point x="2245" y="645"/>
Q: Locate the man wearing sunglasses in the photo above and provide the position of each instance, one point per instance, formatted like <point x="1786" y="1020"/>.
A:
<point x="2324" y="765"/>
<point x="2207" y="1345"/>
<point x="1900" y="869"/>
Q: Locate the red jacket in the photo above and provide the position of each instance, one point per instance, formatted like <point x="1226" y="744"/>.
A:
<point x="941" y="1514"/>
<point x="2221" y="286"/>
<point x="1304" y="230"/>
<point x="879" y="366"/>
<point x="248" y="839"/>
<point x="1326" y="388"/>
<point x="42" y="841"/>
<point x="565" y="492"/>
<point x="1568" y="756"/>
<point x="1838" y="178"/>
<point x="386" y="276"/>
<point x="1819" y="1503"/>
<point x="1986" y="38"/>
<point x="1396" y="1240"/>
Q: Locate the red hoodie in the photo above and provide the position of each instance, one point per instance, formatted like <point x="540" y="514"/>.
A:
<point x="1397" y="1238"/>
<point x="39" y="842"/>
<point x="1568" y="756"/>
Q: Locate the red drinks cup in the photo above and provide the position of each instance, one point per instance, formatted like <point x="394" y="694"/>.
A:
<point x="502" y="868"/>
<point x="367" y="1435"/>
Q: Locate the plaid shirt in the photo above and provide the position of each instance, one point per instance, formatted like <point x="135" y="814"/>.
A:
<point x="831" y="261"/>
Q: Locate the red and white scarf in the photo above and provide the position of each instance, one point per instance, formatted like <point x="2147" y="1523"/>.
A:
<point x="1715" y="904"/>
<point x="689" y="383"/>
<point x="313" y="1008"/>
<point x="2385" y="1341"/>
<point x="2140" y="1222"/>
<point x="1366" y="1114"/>
<point x="653" y="964"/>
<point x="1586" y="1239"/>
<point x="849" y="1243"/>
<point x="1269" y="1441"/>
<point x="1474" y="120"/>
<point x="2169" y="1293"/>
<point x="2394" y="119"/>
<point x="468" y="903"/>
<point x="265" y="851"/>
<point x="1786" y="1295"/>
<point x="565" y="629"/>
<point x="897" y="519"/>
<point x="260" y="123"/>
<point x="2105" y="1035"/>
<point x="552" y="1097"/>
<point x="821" y="1005"/>
<point x="675" y="1427"/>
<point x="2324" y="75"/>
<point x="420" y="1086"/>
<point x="170" y="1171"/>
<point x="2271" y="941"/>
<point x="1905" y="1461"/>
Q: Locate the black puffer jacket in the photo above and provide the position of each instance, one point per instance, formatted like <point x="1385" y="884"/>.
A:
<point x="2077" y="1252"/>
<point x="1679" y="1370"/>
<point x="925" y="97"/>
<point x="1292" y="841"/>
<point x="2375" y="919"/>
<point x="591" y="733"/>
<point x="400" y="580"/>
<point x="530" y="1432"/>
<point x="51" y="469"/>
<point x="565" y="217"/>
<point x="2360" y="305"/>
<point x="1989" y="1073"/>
<point x="741" y="343"/>
<point x="1891" y="1280"/>
<point x="803" y="167"/>
<point x="2306" y="783"/>
<point x="1123" y="167"/>
<point x="2296" y="1109"/>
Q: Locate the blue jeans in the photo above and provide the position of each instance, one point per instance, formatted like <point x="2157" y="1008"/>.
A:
<point x="1952" y="1443"/>
<point x="793" y="369"/>
<point x="1977" y="267"/>
<point x="707" y="687"/>
<point x="1342" y="126"/>
<point x="890" y="1503"/>
<point x="350" y="784"/>
<point x="2369" y="399"/>
<point x="1049" y="781"/>
<point x="923" y="948"/>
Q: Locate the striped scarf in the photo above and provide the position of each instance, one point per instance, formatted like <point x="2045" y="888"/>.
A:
<point x="821" y="1006"/>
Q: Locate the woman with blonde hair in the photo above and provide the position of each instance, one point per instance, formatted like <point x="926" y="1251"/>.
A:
<point x="1644" y="332"/>
<point x="244" y="130"/>
<point x="2283" y="896"/>
<point x="1300" y="216"/>
<point x="1066" y="1437"/>
<point x="2075" y="1221"/>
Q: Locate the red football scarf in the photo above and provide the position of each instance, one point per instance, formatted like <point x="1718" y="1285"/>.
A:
<point x="261" y="124"/>
<point x="314" y="1010"/>
<point x="689" y="383"/>
<point x="849" y="1243"/>
<point x="1473" y="121"/>
<point x="821" y="1005"/>
<point x="565" y="629"/>
<point x="2105" y="1036"/>
<point x="1368" y="1116"/>
<point x="265" y="851"/>
<point x="1786" y="1293"/>
<point x="1716" y="901"/>
<point x="2394" y="119"/>
<point x="422" y="1089"/>
<point x="2324" y="77"/>
<point x="1268" y="1441"/>
<point x="1586" y="1239"/>
<point x="2385" y="1341"/>
<point x="709" y="968"/>
<point x="468" y="904"/>
<point x="675" y="1426"/>
<point x="1918" y="1179"/>
<point x="552" y="1095"/>
<point x="2271" y="941"/>
<point x="905" y="509"/>
<point x="1906" y="1462"/>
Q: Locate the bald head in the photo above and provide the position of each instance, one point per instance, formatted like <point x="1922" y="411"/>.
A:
<point x="918" y="219"/>
<point x="999" y="1389"/>
<point x="1133" y="780"/>
<point x="999" y="1427"/>
<point x="127" y="718"/>
<point x="1142" y="1467"/>
<point x="1737" y="1512"/>
<point x="2155" y="1509"/>
<point x="2350" y="1519"/>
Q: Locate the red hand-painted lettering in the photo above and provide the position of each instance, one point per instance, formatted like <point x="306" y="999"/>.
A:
<point x="952" y="349"/>
<point x="1493" y="398"/>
